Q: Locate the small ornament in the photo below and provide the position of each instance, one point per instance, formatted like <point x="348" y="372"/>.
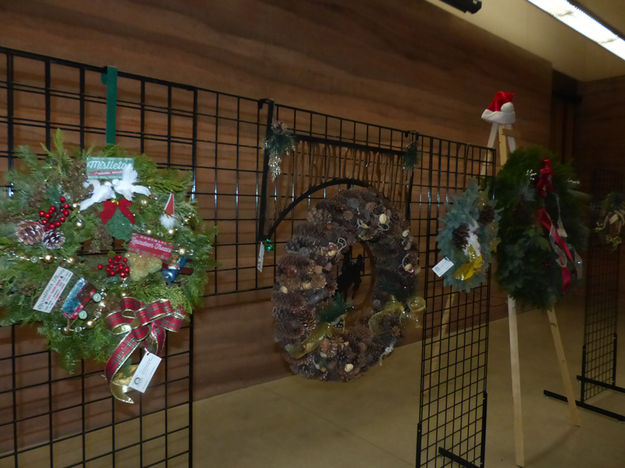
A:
<point x="90" y="324"/>
<point x="171" y="231"/>
<point x="67" y="331"/>
<point x="79" y="224"/>
<point x="53" y="239"/>
<point x="48" y="258"/>
<point x="168" y="220"/>
<point x="29" y="232"/>
<point x="97" y="297"/>
<point x="268" y="245"/>
<point x="82" y="314"/>
<point x="349" y="367"/>
<point x="278" y="144"/>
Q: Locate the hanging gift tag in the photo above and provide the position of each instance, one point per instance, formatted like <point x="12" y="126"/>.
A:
<point x="441" y="267"/>
<point x="145" y="371"/>
<point x="53" y="290"/>
<point x="261" y="257"/>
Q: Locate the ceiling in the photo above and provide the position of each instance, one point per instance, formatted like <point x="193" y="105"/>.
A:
<point x="525" y="25"/>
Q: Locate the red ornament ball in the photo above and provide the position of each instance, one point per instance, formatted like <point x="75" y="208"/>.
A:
<point x="100" y="266"/>
<point x="52" y="209"/>
<point x="62" y="199"/>
<point x="42" y="213"/>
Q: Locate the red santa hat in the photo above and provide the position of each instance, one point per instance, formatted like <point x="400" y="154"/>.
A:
<point x="501" y="110"/>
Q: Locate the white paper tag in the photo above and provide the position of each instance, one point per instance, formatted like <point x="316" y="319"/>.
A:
<point x="441" y="267"/>
<point x="261" y="257"/>
<point x="145" y="371"/>
<point x="53" y="290"/>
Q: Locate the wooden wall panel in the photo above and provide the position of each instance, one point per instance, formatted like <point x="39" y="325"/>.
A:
<point x="401" y="63"/>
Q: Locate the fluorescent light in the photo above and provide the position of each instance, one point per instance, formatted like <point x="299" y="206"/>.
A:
<point x="583" y="24"/>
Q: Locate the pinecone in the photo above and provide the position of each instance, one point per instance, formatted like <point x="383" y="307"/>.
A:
<point x="53" y="239"/>
<point x="460" y="236"/>
<point x="29" y="232"/>
<point x="487" y="215"/>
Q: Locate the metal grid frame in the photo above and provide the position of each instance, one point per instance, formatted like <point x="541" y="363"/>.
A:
<point x="46" y="415"/>
<point x="218" y="136"/>
<point x="453" y="398"/>
<point x="601" y="309"/>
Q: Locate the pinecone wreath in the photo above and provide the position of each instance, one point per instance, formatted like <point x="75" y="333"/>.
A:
<point x="29" y="232"/>
<point x="53" y="239"/>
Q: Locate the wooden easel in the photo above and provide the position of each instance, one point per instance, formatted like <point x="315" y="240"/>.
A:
<point x="506" y="142"/>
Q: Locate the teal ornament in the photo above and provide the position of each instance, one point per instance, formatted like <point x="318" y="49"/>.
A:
<point x="268" y="245"/>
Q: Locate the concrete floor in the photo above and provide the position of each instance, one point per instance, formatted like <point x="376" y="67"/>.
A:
<point x="371" y="422"/>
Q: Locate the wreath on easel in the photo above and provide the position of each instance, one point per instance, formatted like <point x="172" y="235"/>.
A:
<point x="468" y="238"/>
<point x="103" y="251"/>
<point x="541" y="228"/>
<point x="322" y="336"/>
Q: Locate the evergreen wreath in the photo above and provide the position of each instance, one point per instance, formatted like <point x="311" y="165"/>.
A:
<point x="131" y="250"/>
<point x="541" y="228"/>
<point x="321" y="335"/>
<point x="468" y="238"/>
<point x="611" y="219"/>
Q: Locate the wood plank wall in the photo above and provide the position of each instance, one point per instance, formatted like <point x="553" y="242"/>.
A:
<point x="401" y="63"/>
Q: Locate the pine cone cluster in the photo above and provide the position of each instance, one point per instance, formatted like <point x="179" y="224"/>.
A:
<point x="53" y="239"/>
<point x="29" y="232"/>
<point x="460" y="236"/>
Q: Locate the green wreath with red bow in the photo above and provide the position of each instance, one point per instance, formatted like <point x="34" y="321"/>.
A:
<point x="104" y="251"/>
<point x="541" y="228"/>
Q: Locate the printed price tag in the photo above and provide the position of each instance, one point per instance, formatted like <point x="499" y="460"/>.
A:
<point x="441" y="267"/>
<point x="261" y="257"/>
<point x="53" y="290"/>
<point x="146" y="245"/>
<point x="145" y="371"/>
<point x="106" y="168"/>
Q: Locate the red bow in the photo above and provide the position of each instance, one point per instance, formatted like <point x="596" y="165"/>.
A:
<point x="142" y="325"/>
<point x="559" y="246"/>
<point x="545" y="181"/>
<point x="110" y="207"/>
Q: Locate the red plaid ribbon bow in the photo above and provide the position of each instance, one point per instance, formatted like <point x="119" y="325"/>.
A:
<point x="141" y="324"/>
<point x="559" y="246"/>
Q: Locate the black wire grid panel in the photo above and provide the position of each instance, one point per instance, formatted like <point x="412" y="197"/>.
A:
<point x="453" y="398"/>
<point x="601" y="312"/>
<point x="46" y="415"/>
<point x="50" y="417"/>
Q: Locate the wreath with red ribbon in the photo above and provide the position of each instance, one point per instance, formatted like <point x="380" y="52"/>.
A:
<point x="541" y="228"/>
<point x="104" y="251"/>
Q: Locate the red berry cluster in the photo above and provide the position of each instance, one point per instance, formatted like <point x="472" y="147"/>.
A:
<point x="117" y="265"/>
<point x="54" y="217"/>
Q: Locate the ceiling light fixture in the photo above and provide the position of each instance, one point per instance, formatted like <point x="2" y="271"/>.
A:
<point x="584" y="24"/>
